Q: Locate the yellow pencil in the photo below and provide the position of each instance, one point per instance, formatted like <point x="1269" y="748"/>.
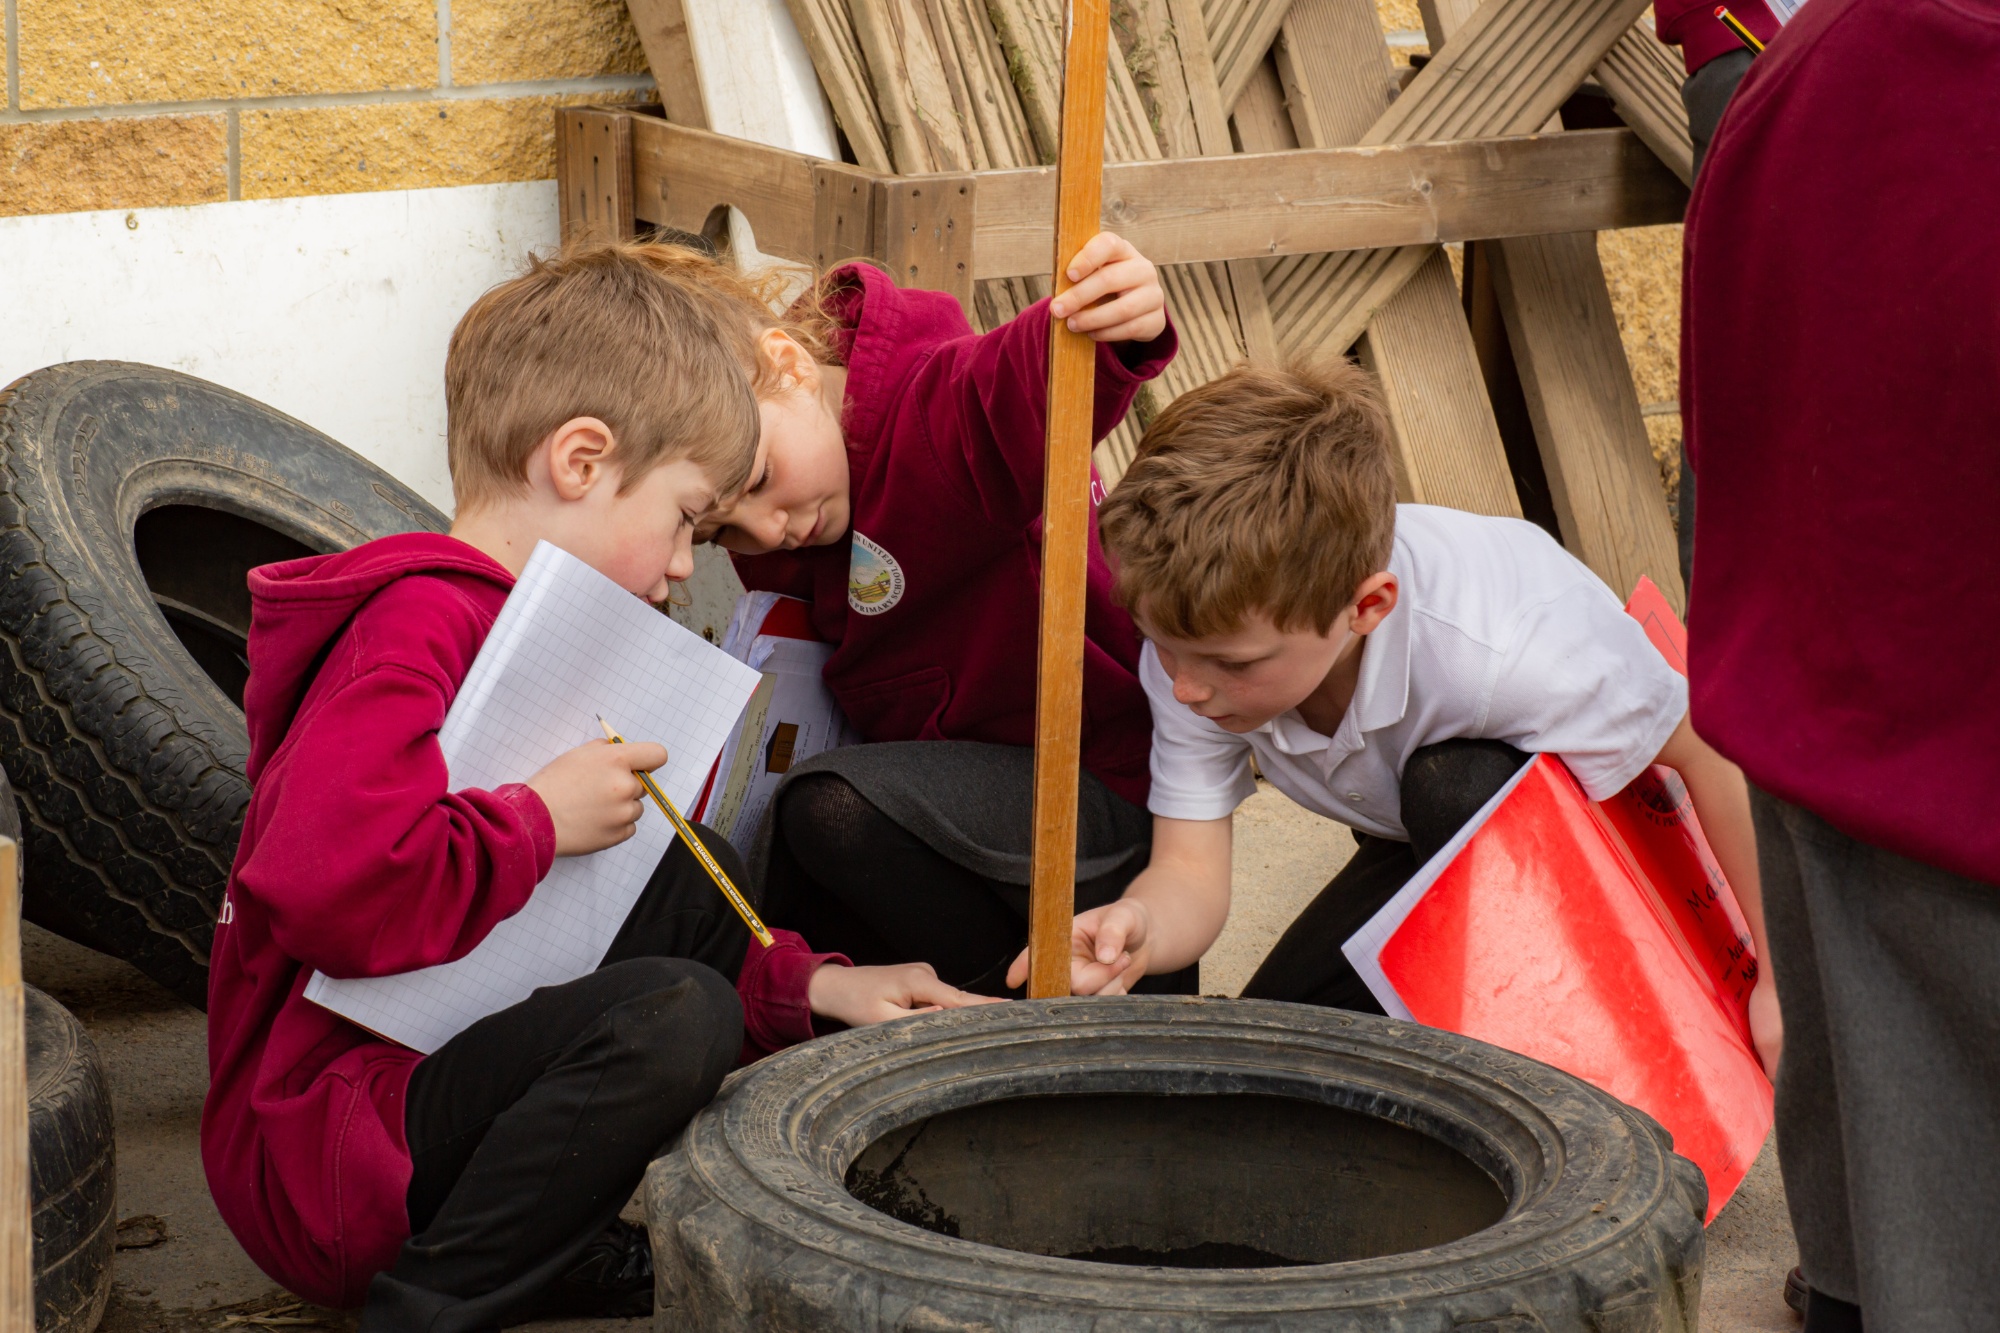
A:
<point x="701" y="854"/>
<point x="1735" y="25"/>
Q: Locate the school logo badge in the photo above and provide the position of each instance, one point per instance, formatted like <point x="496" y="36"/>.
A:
<point x="874" y="579"/>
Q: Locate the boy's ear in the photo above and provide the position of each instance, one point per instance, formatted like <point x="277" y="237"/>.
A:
<point x="580" y="457"/>
<point x="1373" y="601"/>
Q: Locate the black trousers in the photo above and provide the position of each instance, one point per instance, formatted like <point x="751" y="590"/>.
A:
<point x="529" y="1131"/>
<point x="1443" y="786"/>
<point x="880" y="894"/>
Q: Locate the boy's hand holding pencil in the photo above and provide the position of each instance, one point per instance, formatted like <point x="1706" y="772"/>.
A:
<point x="594" y="795"/>
<point x="852" y="995"/>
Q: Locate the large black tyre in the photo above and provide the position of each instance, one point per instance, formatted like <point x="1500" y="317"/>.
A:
<point x="1593" y="1223"/>
<point x="132" y="502"/>
<point x="71" y="1168"/>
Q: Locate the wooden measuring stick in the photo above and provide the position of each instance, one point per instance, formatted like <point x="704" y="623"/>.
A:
<point x="17" y="1241"/>
<point x="1066" y="511"/>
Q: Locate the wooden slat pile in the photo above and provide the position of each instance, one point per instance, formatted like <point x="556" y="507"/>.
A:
<point x="930" y="86"/>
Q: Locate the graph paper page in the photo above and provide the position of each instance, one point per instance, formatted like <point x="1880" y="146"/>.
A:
<point x="568" y="645"/>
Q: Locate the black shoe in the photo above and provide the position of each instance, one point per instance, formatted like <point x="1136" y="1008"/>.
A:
<point x="1797" y="1292"/>
<point x="612" y="1279"/>
<point x="1828" y="1314"/>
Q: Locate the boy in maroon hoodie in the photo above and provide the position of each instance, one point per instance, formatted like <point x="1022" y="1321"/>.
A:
<point x="599" y="402"/>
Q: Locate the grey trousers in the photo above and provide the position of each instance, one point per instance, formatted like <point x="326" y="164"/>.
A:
<point x="1888" y="1106"/>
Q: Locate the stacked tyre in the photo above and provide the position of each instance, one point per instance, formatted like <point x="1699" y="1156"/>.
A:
<point x="72" y="1169"/>
<point x="133" y="501"/>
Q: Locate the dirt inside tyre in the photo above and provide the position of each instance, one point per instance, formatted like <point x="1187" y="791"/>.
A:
<point x="1170" y="1163"/>
<point x="133" y="501"/>
<point x="72" y="1170"/>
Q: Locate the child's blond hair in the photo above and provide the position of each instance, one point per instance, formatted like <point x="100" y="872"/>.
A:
<point x="657" y="341"/>
<point x="1265" y="490"/>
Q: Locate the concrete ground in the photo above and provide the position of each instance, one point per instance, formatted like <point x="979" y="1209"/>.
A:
<point x="181" y="1272"/>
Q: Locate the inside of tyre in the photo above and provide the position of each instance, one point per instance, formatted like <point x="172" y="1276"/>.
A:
<point x="1200" y="1181"/>
<point x="195" y="560"/>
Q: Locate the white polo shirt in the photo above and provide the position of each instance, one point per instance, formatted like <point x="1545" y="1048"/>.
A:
<point x="1498" y="633"/>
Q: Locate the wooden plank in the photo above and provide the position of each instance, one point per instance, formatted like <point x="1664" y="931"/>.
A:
<point x="1644" y="81"/>
<point x="844" y="222"/>
<point x="595" y="197"/>
<point x="1448" y="449"/>
<point x="926" y="232"/>
<point x="919" y="116"/>
<point x="843" y="73"/>
<point x="663" y="32"/>
<point x="1199" y="299"/>
<point x="1603" y="483"/>
<point x="17" y="1240"/>
<point x="1449" y="452"/>
<point x="1340" y="199"/>
<point x="1261" y="120"/>
<point x="1201" y="210"/>
<point x="1174" y="32"/>
<point x="1602" y="477"/>
<point x="1066" y="512"/>
<point x="1334" y="66"/>
<point x="1506" y="69"/>
<point x="681" y="176"/>
<point x="1242" y="32"/>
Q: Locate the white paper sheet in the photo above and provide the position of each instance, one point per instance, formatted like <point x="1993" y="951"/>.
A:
<point x="569" y="645"/>
<point x="792" y="696"/>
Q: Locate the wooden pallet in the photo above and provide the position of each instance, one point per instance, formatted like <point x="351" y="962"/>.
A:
<point x="1329" y="247"/>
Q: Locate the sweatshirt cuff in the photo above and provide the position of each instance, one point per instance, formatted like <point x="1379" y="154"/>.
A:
<point x="772" y="984"/>
<point x="1135" y="363"/>
<point x="535" y="819"/>
<point x="1702" y="37"/>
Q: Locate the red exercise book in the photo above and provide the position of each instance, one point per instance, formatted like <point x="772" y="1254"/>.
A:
<point x="1601" y="938"/>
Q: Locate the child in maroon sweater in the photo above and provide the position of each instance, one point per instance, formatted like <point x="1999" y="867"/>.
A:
<point x="599" y="402"/>
<point x="898" y="488"/>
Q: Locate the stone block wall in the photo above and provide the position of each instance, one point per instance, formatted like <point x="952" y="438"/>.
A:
<point x="115" y="104"/>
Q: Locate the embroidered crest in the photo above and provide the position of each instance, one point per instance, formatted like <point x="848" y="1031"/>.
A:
<point x="874" y="579"/>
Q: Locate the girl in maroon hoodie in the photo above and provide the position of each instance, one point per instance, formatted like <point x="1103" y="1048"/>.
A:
<point x="898" y="489"/>
<point x="599" y="403"/>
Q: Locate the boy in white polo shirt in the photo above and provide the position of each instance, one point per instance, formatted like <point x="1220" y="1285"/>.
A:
<point x="1389" y="666"/>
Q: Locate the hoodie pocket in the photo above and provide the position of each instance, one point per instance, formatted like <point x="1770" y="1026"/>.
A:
<point x="909" y="707"/>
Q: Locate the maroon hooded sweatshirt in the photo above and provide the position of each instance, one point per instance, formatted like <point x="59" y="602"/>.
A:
<point x="1840" y="371"/>
<point x="359" y="860"/>
<point x="935" y="599"/>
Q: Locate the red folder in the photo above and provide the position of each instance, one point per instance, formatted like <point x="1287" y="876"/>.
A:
<point x="1602" y="939"/>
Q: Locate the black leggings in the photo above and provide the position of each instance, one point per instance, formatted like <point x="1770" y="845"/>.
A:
<point x="529" y="1130"/>
<point x="1443" y="786"/>
<point x="879" y="894"/>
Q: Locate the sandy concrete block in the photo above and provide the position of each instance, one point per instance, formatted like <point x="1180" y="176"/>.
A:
<point x="398" y="146"/>
<point x="68" y="166"/>
<point x="1282" y="856"/>
<point x="100" y="52"/>
<point x="504" y="41"/>
<point x="1400" y="15"/>
<point x="1642" y="266"/>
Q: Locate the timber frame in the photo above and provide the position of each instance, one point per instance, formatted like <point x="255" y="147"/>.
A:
<point x="625" y="171"/>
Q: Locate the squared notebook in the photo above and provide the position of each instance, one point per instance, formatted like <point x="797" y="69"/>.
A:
<point x="568" y="645"/>
<point x="1601" y="938"/>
